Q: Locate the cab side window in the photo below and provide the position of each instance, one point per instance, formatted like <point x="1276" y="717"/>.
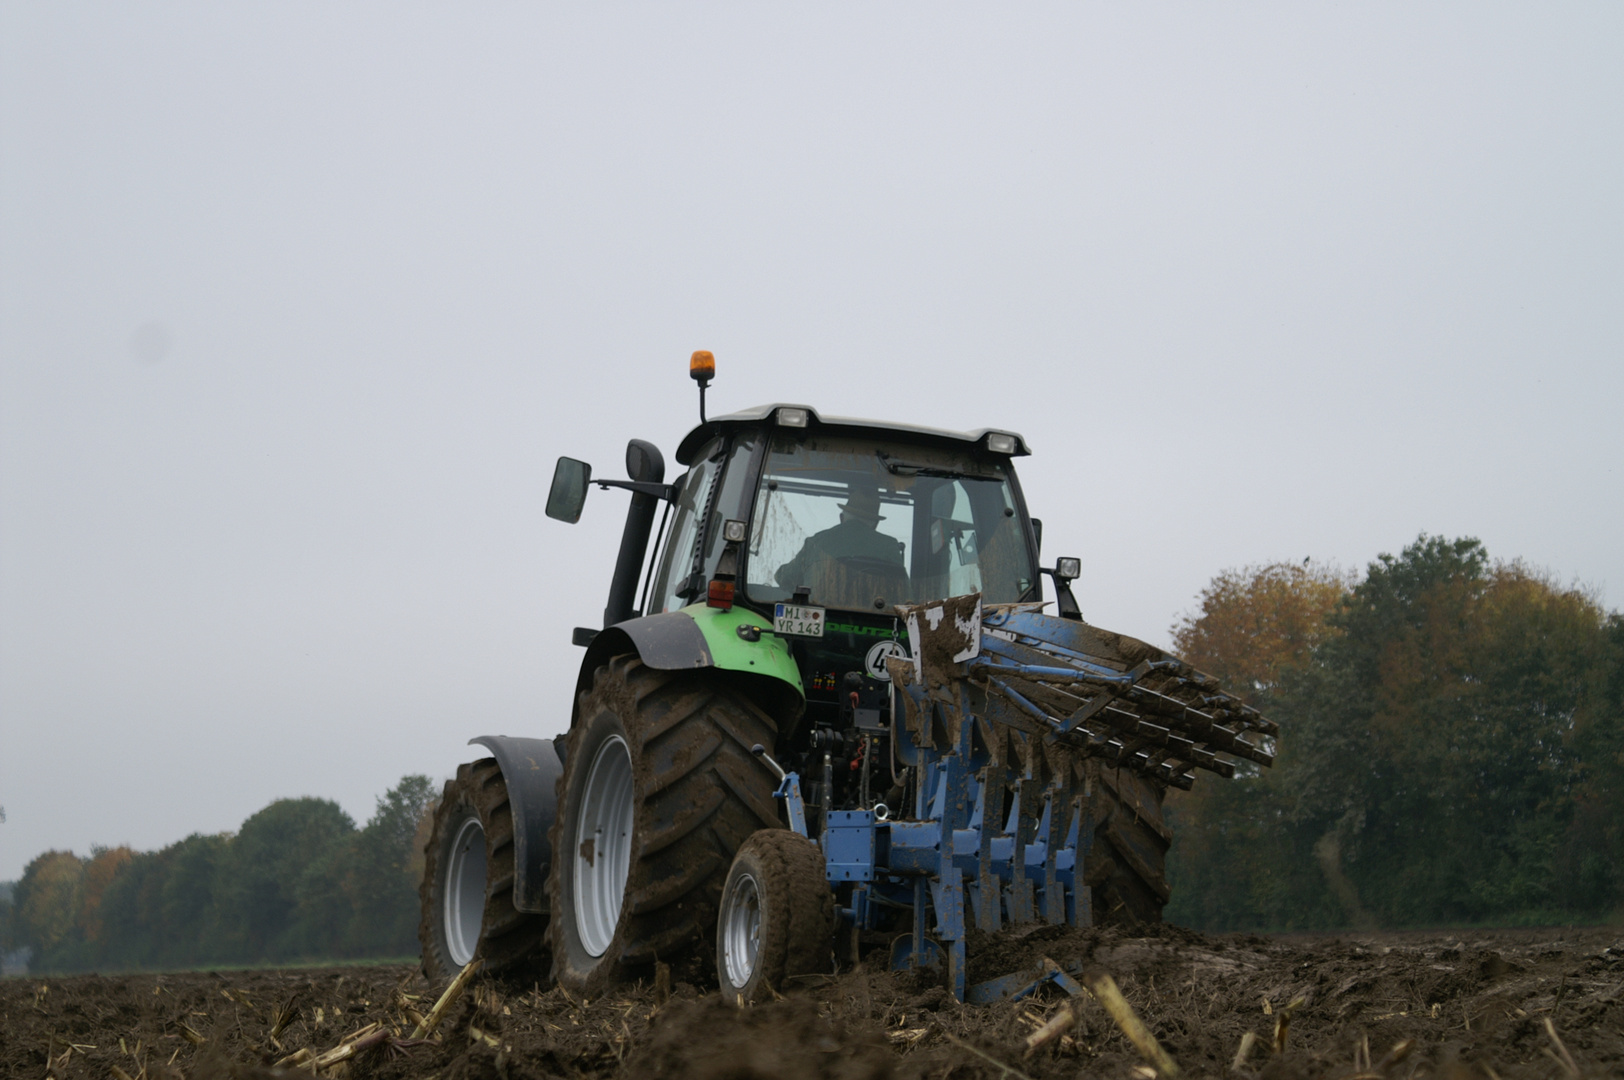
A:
<point x="681" y="554"/>
<point x="732" y="499"/>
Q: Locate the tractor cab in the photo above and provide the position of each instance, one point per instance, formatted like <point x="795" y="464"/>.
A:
<point x="845" y="515"/>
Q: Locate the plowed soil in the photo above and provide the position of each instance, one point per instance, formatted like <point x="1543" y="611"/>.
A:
<point x="1526" y="1003"/>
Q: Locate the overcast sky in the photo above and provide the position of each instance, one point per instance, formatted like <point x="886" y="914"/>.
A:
<point x="299" y="302"/>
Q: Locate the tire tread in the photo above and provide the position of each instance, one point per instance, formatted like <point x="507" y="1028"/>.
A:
<point x="1130" y="850"/>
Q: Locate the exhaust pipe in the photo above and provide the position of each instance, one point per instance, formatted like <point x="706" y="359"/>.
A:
<point x="644" y="465"/>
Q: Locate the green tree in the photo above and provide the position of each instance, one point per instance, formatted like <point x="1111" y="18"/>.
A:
<point x="1590" y="862"/>
<point x="131" y="933"/>
<point x="322" y="920"/>
<point x="8" y="920"/>
<point x="1435" y="735"/>
<point x="383" y="878"/>
<point x="266" y="870"/>
<point x="190" y="903"/>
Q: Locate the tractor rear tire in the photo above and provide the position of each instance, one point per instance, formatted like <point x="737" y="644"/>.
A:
<point x="1129" y="860"/>
<point x="466" y="896"/>
<point x="659" y="791"/>
<point x="777" y="916"/>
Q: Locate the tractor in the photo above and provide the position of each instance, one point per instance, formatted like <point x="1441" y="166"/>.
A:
<point x="829" y="713"/>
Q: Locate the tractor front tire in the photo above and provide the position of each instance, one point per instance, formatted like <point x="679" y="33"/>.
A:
<point x="777" y="916"/>
<point x="1129" y="860"/>
<point x="466" y="896"/>
<point x="659" y="790"/>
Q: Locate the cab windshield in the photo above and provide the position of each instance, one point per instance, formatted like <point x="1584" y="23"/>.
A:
<point x="865" y="525"/>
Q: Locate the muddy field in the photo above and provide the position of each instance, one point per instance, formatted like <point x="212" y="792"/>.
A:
<point x="1546" y="1003"/>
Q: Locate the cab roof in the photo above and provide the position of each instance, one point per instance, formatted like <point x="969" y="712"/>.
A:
<point x="762" y="414"/>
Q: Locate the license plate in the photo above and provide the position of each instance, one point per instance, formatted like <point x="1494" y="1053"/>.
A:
<point x="796" y="620"/>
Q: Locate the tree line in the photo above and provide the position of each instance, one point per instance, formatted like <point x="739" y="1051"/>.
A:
<point x="297" y="881"/>
<point x="1451" y="748"/>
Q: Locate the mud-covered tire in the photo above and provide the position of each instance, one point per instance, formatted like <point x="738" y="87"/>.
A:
<point x="1128" y="868"/>
<point x="466" y="896"/>
<point x="659" y="790"/>
<point x="777" y="916"/>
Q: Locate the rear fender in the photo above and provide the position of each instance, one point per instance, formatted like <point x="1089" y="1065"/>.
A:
<point x="531" y="768"/>
<point x="699" y="636"/>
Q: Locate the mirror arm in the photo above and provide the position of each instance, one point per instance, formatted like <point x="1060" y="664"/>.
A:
<point x="668" y="492"/>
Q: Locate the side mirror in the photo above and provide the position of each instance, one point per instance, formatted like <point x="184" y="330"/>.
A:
<point x="568" y="494"/>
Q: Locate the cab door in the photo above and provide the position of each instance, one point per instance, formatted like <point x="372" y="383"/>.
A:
<point x="716" y="488"/>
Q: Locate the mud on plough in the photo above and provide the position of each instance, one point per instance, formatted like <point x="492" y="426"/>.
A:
<point x="1011" y="719"/>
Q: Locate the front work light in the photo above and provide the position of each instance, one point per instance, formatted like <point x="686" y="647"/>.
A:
<point x="733" y="531"/>
<point x="1000" y="443"/>
<point x="1068" y="569"/>
<point x="792" y="417"/>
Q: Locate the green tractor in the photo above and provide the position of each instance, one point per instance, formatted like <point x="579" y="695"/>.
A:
<point x="756" y="638"/>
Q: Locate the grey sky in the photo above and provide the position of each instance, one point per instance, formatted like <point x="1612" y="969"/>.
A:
<point x="298" y="303"/>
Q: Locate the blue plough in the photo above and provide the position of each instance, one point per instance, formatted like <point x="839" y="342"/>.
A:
<point x="1007" y="718"/>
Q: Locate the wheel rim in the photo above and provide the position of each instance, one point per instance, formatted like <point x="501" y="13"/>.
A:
<point x="603" y="845"/>
<point x="741" y="929"/>
<point x="465" y="892"/>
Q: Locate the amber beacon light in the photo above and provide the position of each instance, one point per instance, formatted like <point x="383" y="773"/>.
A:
<point x="702" y="369"/>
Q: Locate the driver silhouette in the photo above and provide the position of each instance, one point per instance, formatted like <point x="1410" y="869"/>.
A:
<point x="856" y="537"/>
